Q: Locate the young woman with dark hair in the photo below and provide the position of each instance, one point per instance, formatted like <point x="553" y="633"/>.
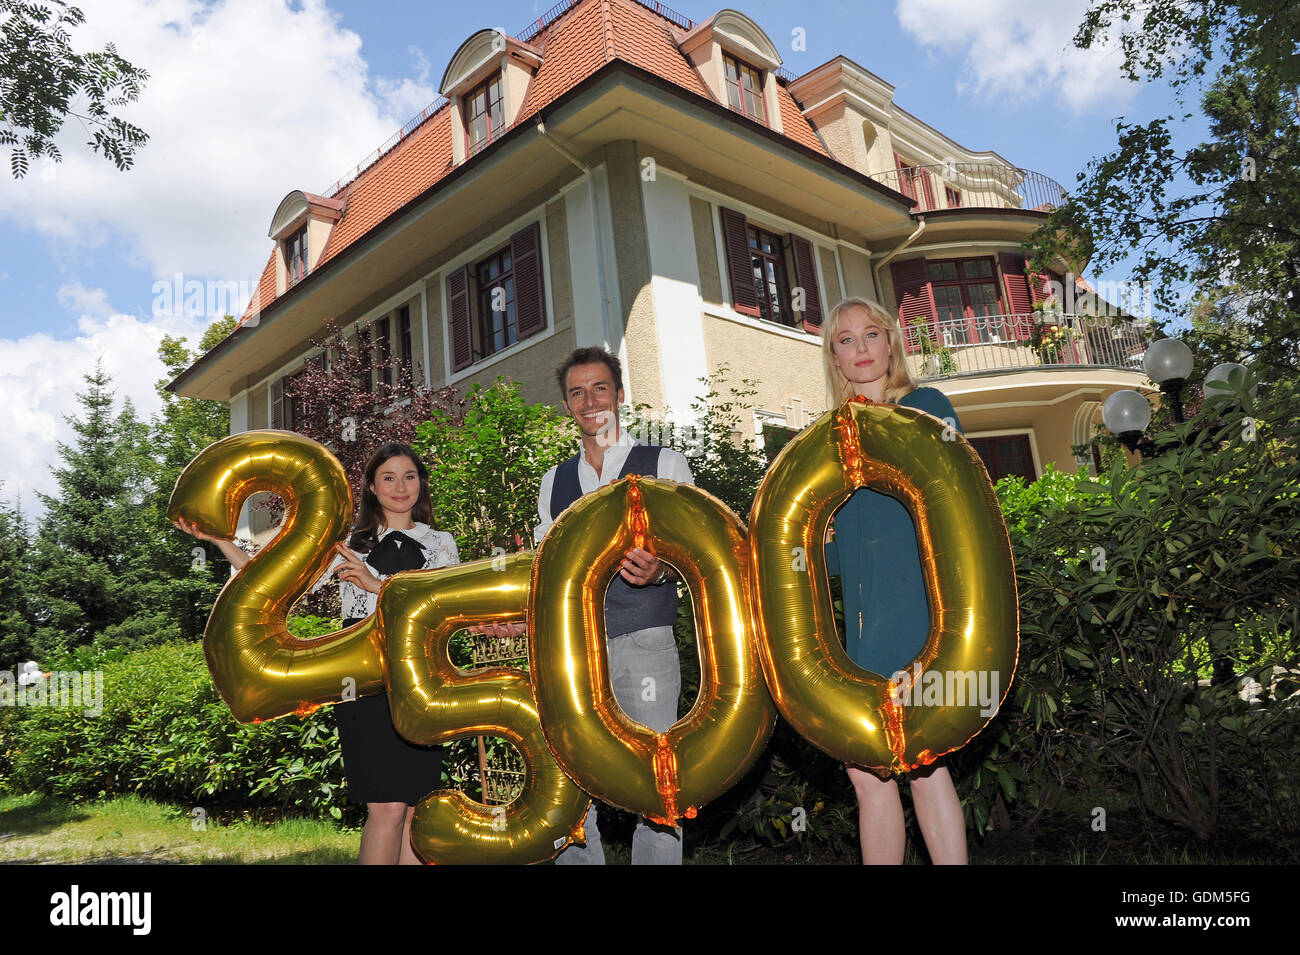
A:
<point x="392" y="534"/>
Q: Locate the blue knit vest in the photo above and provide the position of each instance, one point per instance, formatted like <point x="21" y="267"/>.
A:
<point x="627" y="608"/>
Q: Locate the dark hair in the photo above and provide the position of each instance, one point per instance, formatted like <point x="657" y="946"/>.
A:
<point x="366" y="529"/>
<point x="589" y="356"/>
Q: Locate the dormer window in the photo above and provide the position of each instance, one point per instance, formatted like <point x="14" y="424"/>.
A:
<point x="484" y="114"/>
<point x="301" y="230"/>
<point x="486" y="82"/>
<point x="744" y="88"/>
<point x="295" y="256"/>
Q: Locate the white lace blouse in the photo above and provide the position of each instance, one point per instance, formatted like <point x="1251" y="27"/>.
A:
<point x="439" y="551"/>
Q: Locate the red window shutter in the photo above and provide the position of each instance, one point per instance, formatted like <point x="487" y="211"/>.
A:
<point x="805" y="277"/>
<point x="927" y="186"/>
<point x="530" y="302"/>
<point x="277" y="404"/>
<point x="1019" y="298"/>
<point x="462" y="342"/>
<point x="915" y="300"/>
<point x="740" y="267"/>
<point x="906" y="184"/>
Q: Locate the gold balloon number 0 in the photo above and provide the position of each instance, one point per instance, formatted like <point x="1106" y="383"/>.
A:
<point x="763" y="620"/>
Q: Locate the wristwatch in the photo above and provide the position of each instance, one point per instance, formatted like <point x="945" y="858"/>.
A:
<point x="662" y="578"/>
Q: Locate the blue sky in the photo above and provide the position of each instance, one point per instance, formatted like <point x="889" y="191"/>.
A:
<point x="249" y="99"/>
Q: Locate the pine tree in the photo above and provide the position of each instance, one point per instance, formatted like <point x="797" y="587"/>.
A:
<point x="15" y="632"/>
<point x="87" y="557"/>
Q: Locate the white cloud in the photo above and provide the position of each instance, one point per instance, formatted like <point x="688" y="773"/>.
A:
<point x="40" y="377"/>
<point x="76" y="298"/>
<point x="1014" y="49"/>
<point x="246" y="100"/>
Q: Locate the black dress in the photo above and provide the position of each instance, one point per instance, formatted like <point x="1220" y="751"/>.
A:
<point x="379" y="764"/>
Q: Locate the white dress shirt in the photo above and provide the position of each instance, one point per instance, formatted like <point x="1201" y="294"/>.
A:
<point x="673" y="466"/>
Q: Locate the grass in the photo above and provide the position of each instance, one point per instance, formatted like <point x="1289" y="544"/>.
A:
<point x="129" y="830"/>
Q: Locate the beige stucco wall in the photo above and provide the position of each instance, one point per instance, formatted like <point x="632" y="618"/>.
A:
<point x="830" y="278"/>
<point x="259" y="407"/>
<point x="706" y="250"/>
<point x="632" y="260"/>
<point x="858" y="282"/>
<point x="784" y="368"/>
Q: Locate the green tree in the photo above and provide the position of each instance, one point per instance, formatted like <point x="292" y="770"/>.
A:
<point x="485" y="472"/>
<point x="89" y="560"/>
<point x="43" y="79"/>
<point x="1222" y="214"/>
<point x="186" y="573"/>
<point x="14" y="629"/>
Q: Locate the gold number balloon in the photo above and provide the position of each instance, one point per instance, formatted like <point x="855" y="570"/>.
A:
<point x="263" y="672"/>
<point x="260" y="669"/>
<point x="432" y="702"/>
<point x="662" y="776"/>
<point x="853" y="715"/>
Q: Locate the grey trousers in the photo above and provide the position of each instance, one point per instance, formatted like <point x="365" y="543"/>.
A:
<point x="647" y="679"/>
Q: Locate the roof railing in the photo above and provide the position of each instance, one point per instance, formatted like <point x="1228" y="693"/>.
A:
<point x="973" y="185"/>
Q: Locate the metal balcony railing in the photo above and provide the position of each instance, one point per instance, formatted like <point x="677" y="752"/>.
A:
<point x="973" y="185"/>
<point x="992" y="343"/>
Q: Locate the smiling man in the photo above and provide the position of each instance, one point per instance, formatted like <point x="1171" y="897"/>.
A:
<point x="641" y="603"/>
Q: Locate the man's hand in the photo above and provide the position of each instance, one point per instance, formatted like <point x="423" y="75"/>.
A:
<point x="640" y="567"/>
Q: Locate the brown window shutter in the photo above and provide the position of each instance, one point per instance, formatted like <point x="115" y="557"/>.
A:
<point x="462" y="342"/>
<point x="526" y="261"/>
<point x="1019" y="298"/>
<point x="277" y="404"/>
<point x="805" y="277"/>
<point x="915" y="300"/>
<point x="740" y="267"/>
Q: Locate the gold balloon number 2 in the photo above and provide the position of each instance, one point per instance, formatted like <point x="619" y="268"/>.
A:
<point x="762" y="611"/>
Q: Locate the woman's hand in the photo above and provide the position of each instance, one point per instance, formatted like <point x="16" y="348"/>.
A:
<point x="355" y="570"/>
<point x="228" y="548"/>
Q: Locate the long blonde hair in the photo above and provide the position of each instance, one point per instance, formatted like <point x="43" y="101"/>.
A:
<point x="898" y="377"/>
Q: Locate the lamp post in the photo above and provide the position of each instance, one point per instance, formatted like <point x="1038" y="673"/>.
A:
<point x="1126" y="413"/>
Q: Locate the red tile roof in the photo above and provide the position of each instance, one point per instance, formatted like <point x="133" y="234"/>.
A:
<point x="574" y="45"/>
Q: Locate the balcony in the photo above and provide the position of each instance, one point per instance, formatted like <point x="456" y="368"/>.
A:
<point x="998" y="343"/>
<point x="973" y="185"/>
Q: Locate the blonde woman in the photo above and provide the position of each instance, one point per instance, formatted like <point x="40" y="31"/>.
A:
<point x="875" y="553"/>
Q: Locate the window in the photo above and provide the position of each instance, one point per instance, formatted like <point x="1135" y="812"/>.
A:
<point x="915" y="183"/>
<point x="498" y="300"/>
<point x="498" y="322"/>
<point x="404" y="337"/>
<point x="953" y="196"/>
<point x="383" y="332"/>
<point x="1007" y="455"/>
<point x="364" y="360"/>
<point x="760" y="265"/>
<point x="771" y="286"/>
<point x="484" y="113"/>
<point x="965" y="296"/>
<point x="744" y="88"/>
<point x="295" y="256"/>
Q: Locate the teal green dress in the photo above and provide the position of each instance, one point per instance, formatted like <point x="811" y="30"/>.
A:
<point x="876" y="555"/>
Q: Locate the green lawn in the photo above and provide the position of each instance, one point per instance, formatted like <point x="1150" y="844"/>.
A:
<point x="34" y="829"/>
